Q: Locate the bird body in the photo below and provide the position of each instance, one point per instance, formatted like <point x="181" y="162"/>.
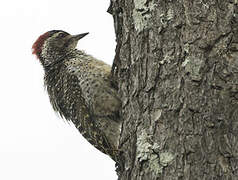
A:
<point x="80" y="89"/>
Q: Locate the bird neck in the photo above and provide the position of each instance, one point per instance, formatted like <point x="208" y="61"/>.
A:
<point x="54" y="58"/>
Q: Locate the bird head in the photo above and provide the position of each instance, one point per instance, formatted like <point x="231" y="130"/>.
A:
<point x="53" y="43"/>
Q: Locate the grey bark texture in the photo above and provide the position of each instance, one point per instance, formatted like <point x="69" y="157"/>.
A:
<point x="176" y="65"/>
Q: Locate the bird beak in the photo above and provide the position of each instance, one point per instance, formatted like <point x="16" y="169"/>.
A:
<point x="79" y="36"/>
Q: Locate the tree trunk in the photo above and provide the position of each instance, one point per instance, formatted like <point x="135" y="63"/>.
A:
<point x="177" y="70"/>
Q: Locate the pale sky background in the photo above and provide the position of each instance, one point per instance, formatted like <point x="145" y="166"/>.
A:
<point x="36" y="144"/>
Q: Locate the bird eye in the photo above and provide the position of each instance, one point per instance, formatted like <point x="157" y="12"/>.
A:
<point x="61" y="35"/>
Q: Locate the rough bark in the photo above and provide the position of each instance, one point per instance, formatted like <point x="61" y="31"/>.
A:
<point x="176" y="65"/>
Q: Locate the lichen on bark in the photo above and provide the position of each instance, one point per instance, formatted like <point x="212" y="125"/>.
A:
<point x="177" y="72"/>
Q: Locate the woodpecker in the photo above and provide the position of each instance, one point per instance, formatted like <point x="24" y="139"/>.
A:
<point x="80" y="89"/>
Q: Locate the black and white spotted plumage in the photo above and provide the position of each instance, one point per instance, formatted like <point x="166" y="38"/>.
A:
<point x="80" y="89"/>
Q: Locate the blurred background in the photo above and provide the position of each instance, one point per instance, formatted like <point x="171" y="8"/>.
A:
<point x="35" y="143"/>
